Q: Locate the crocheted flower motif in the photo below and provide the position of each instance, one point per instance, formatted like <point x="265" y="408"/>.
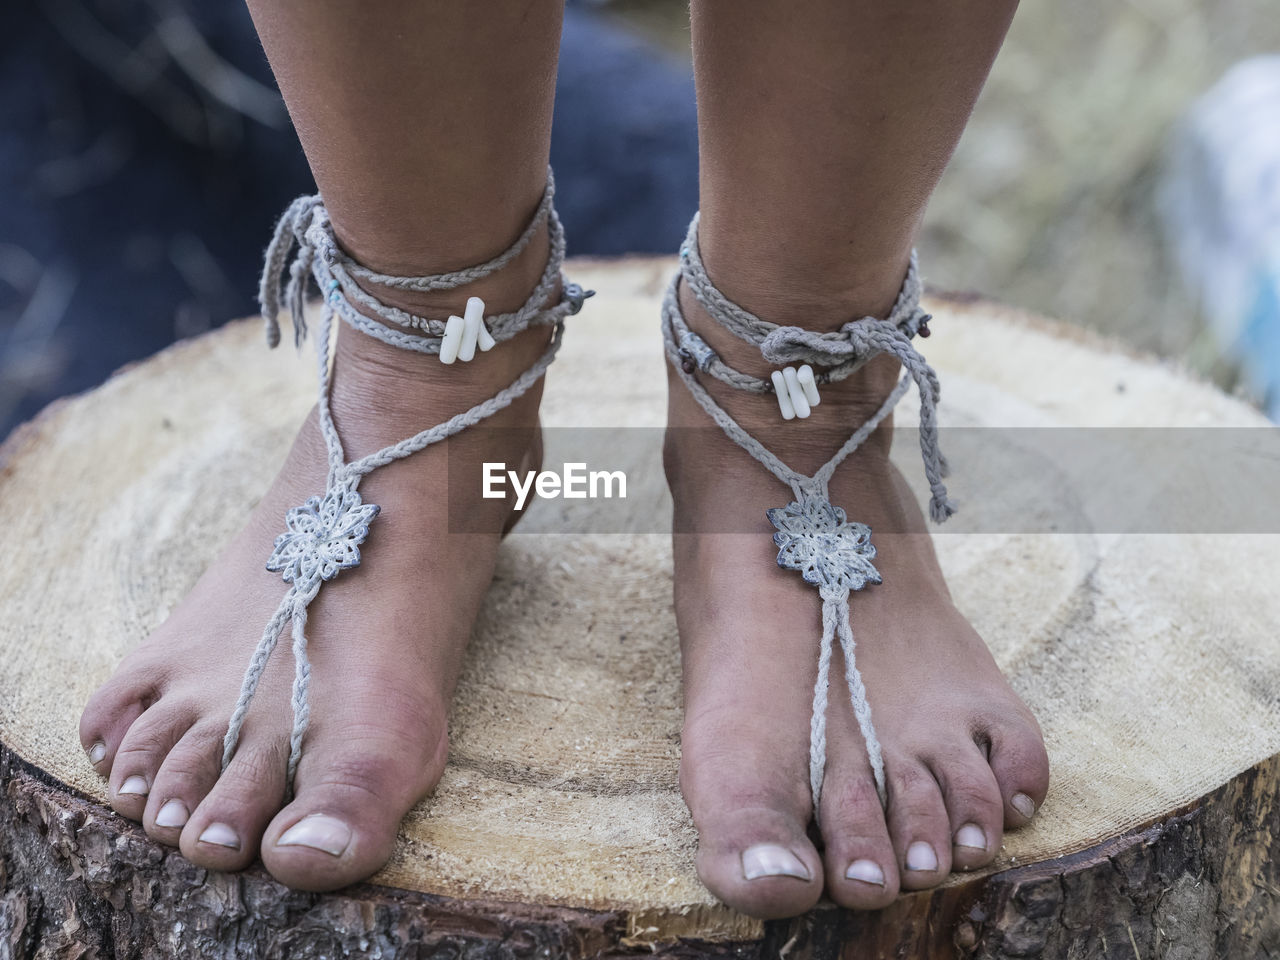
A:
<point x="324" y="536"/>
<point x="817" y="539"/>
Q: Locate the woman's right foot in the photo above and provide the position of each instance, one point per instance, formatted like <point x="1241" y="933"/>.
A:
<point x="386" y="638"/>
<point x="963" y="755"/>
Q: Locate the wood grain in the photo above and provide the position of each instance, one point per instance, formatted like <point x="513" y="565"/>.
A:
<point x="558" y="830"/>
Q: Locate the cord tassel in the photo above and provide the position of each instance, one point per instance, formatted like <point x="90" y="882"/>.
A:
<point x="288" y="233"/>
<point x="296" y="291"/>
<point x="841" y="352"/>
<point x="882" y="336"/>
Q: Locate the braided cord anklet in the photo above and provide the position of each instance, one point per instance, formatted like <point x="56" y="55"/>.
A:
<point x="814" y="536"/>
<point x="323" y="536"/>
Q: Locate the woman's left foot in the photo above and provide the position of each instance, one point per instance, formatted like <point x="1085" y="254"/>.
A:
<point x="964" y="758"/>
<point x="386" y="639"/>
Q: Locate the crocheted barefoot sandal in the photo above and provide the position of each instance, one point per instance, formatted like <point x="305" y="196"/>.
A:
<point x="813" y="535"/>
<point x="323" y="536"/>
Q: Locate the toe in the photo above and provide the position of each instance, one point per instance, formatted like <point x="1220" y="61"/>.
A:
<point x="918" y="824"/>
<point x="753" y="849"/>
<point x="861" y="866"/>
<point x="1021" y="768"/>
<point x="141" y="752"/>
<point x="224" y="830"/>
<point x="757" y="859"/>
<point x="974" y="806"/>
<point x="106" y="719"/>
<point x="352" y="794"/>
<point x="186" y="776"/>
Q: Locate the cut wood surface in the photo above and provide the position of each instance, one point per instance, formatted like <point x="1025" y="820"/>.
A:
<point x="1150" y="660"/>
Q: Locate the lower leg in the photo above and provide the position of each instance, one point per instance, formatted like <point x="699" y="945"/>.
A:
<point x="427" y="128"/>
<point x="824" y="128"/>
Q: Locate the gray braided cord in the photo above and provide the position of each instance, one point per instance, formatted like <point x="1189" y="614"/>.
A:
<point x="858" y="693"/>
<point x="502" y="327"/>
<point x="848" y="349"/>
<point x="460" y="278"/>
<point x="835" y="623"/>
<point x="835" y="602"/>
<point x="257" y="664"/>
<point x="696" y="351"/>
<point x="843" y="352"/>
<point x="800" y="483"/>
<point x="299" y="700"/>
<point x="791" y="344"/>
<point x="818" y="719"/>
<point x="298" y="227"/>
<point x="293" y="227"/>
<point x="306" y="225"/>
<point x="294" y="605"/>
<point x="332" y="442"/>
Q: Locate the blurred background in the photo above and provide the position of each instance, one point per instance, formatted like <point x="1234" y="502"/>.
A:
<point x="1122" y="172"/>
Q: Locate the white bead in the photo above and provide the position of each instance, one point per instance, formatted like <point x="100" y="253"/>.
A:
<point x="783" y="394"/>
<point x="798" y="400"/>
<point x="810" y="385"/>
<point x="472" y="320"/>
<point x="485" y="342"/>
<point x="452" y="339"/>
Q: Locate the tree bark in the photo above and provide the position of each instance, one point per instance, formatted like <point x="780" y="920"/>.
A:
<point x="77" y="881"/>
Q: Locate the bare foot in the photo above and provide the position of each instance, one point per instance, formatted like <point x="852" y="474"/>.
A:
<point x="964" y="758"/>
<point x="386" y="638"/>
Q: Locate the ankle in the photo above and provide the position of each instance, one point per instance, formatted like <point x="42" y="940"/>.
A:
<point x="863" y="392"/>
<point x="810" y="280"/>
<point x="502" y="291"/>
<point x="367" y="364"/>
<point x="373" y="379"/>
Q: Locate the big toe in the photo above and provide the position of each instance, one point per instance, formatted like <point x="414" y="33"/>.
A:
<point x="758" y="860"/>
<point x="342" y="825"/>
<point x="753" y="849"/>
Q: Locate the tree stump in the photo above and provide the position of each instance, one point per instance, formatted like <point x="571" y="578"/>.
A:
<point x="558" y="829"/>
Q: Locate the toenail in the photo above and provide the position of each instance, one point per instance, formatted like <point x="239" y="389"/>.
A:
<point x="172" y="814"/>
<point x="868" y="871"/>
<point x="220" y="834"/>
<point x="318" y="831"/>
<point x="135" y="785"/>
<point x="97" y="752"/>
<point x="920" y="856"/>
<point x="971" y="835"/>
<point x="1024" y="805"/>
<point x="770" y="860"/>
